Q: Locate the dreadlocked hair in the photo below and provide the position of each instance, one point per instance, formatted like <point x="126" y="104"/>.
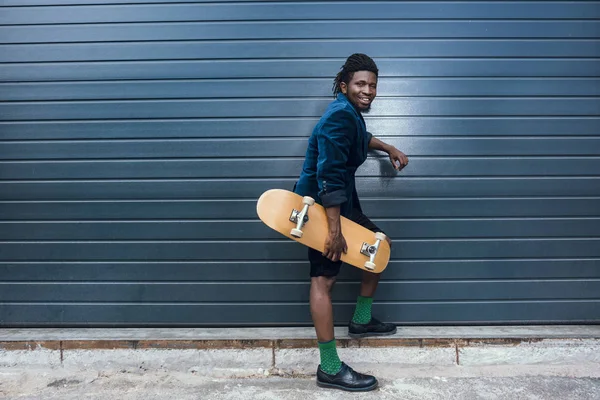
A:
<point x="356" y="62"/>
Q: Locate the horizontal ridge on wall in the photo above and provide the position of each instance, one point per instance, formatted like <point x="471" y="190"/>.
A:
<point x="296" y="10"/>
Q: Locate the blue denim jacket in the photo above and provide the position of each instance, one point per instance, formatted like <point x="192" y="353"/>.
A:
<point x="337" y="147"/>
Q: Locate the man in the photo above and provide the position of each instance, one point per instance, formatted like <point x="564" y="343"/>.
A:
<point x="337" y="147"/>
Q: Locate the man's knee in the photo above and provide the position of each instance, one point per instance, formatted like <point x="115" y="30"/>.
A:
<point x="323" y="283"/>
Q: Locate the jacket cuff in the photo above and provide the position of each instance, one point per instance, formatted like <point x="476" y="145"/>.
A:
<point x="334" y="198"/>
<point x="369" y="136"/>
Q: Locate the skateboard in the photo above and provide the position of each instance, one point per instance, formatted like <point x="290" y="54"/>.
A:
<point x="301" y="219"/>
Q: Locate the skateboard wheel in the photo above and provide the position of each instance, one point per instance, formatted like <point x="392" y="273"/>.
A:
<point x="308" y="200"/>
<point x="370" y="266"/>
<point x="380" y="236"/>
<point x="296" y="233"/>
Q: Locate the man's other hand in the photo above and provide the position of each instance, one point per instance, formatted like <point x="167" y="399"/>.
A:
<point x="398" y="159"/>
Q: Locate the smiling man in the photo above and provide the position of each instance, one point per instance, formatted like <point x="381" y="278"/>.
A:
<point x="337" y="147"/>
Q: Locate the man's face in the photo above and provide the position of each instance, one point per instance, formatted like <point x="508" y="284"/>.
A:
<point x="361" y="90"/>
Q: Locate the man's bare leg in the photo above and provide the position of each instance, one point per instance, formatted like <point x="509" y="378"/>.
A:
<point x="363" y="324"/>
<point x="369" y="284"/>
<point x="321" y="308"/>
<point x="322" y="315"/>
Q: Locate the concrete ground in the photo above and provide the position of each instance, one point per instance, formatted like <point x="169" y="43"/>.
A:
<point x="564" y="383"/>
<point x="418" y="363"/>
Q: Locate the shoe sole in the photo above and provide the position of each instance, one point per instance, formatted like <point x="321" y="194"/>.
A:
<point x="371" y="334"/>
<point x="347" y="389"/>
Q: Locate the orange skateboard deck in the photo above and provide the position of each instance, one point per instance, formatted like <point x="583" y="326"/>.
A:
<point x="281" y="210"/>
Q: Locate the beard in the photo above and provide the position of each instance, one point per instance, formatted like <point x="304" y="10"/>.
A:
<point x="364" y="110"/>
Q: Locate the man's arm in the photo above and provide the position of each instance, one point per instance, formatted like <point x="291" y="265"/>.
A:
<point x="397" y="158"/>
<point x="376" y="144"/>
<point x="334" y="142"/>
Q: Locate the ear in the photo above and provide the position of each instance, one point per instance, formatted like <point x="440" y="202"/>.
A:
<point x="343" y="87"/>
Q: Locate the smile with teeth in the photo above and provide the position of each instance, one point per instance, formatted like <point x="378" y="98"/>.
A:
<point x="365" y="100"/>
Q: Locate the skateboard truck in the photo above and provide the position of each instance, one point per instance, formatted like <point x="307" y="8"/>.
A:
<point x="300" y="217"/>
<point x="370" y="250"/>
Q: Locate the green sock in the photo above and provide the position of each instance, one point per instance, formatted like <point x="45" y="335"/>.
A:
<point x="330" y="362"/>
<point x="362" y="314"/>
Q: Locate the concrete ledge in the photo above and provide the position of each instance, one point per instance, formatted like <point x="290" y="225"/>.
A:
<point x="254" y="334"/>
<point x="280" y="338"/>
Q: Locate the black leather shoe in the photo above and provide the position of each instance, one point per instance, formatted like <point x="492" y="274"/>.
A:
<point x="373" y="328"/>
<point x="346" y="379"/>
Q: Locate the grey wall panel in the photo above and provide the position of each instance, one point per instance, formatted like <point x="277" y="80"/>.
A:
<point x="135" y="137"/>
<point x="296" y="30"/>
<point x="300" y="11"/>
<point x="416" y="187"/>
<point x="390" y="107"/>
<point x="264" y="292"/>
<point x="258" y="88"/>
<point x="432" y="249"/>
<point x="98" y="2"/>
<point x="283" y="314"/>
<point x="288" y="167"/>
<point x="283" y="68"/>
<point x="249" y="230"/>
<point x="278" y="49"/>
<point x="32" y="210"/>
<point x="293" y="271"/>
<point x="277" y="128"/>
<point x="213" y="149"/>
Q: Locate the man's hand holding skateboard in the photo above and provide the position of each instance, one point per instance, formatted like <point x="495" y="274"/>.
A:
<point x="335" y="243"/>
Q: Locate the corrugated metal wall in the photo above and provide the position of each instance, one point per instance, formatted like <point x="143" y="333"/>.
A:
<point x="136" y="137"/>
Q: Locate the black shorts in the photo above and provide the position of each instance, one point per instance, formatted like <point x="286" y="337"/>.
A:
<point x="323" y="266"/>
